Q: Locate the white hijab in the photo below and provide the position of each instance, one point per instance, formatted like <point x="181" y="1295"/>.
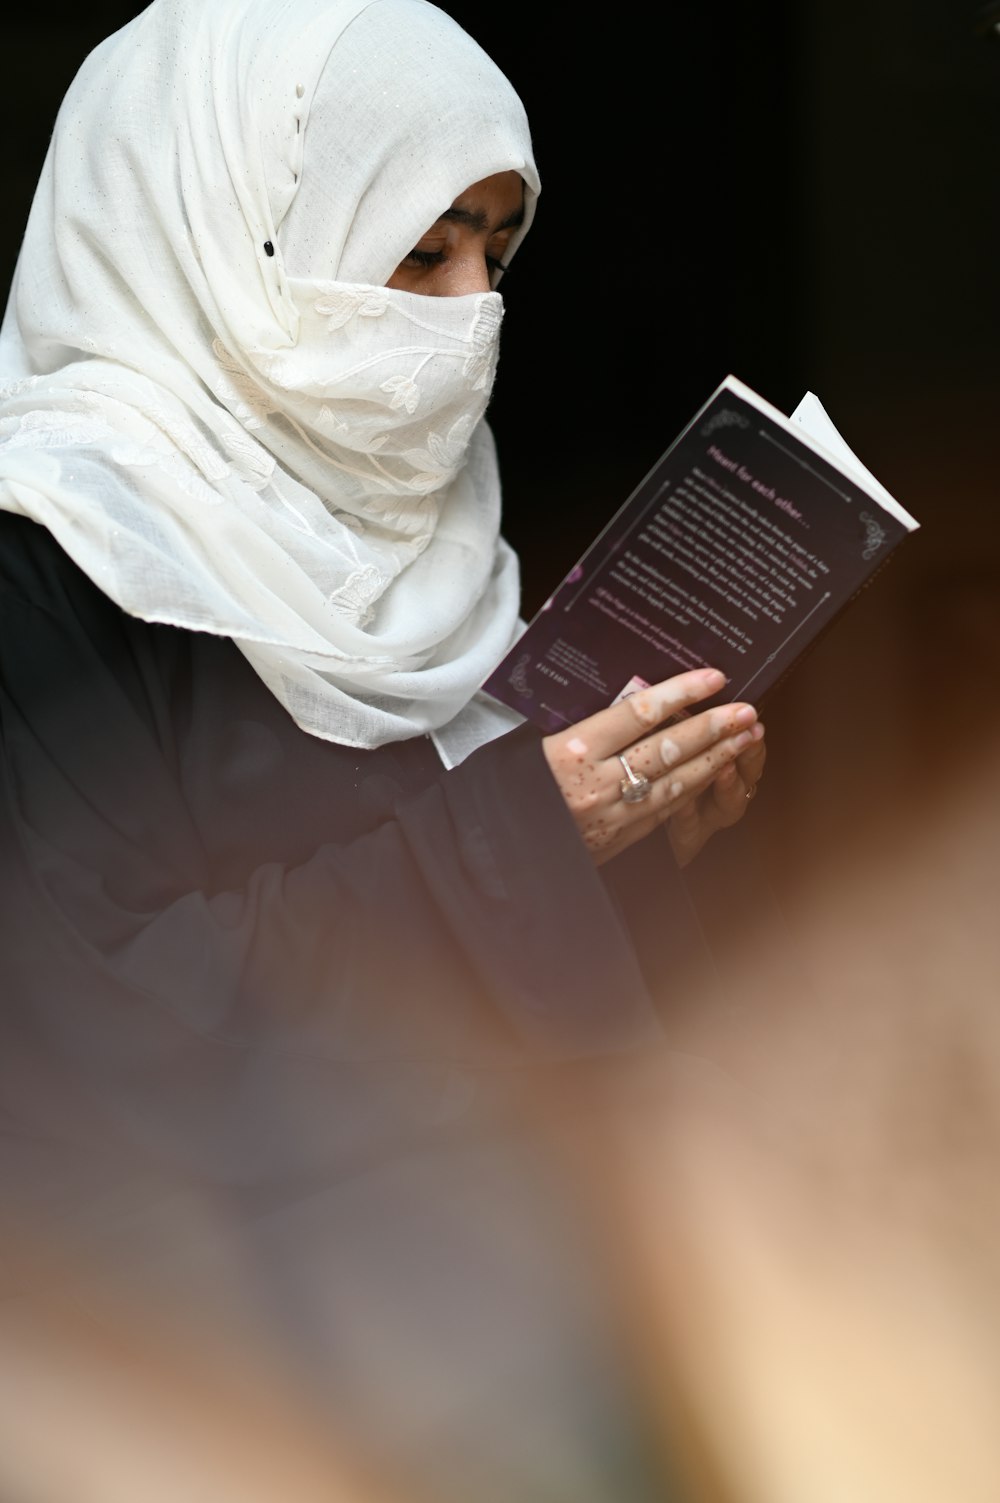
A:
<point x="208" y="395"/>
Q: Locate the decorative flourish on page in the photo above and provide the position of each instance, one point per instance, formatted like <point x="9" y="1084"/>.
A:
<point x="518" y="675"/>
<point x="724" y="418"/>
<point x="874" y="535"/>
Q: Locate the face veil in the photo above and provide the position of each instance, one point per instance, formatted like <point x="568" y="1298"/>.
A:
<point x="208" y="395"/>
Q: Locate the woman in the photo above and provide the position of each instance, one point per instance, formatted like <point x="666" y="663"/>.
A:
<point x="283" y="897"/>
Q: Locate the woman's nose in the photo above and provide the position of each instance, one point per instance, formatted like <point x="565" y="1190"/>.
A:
<point x="467" y="274"/>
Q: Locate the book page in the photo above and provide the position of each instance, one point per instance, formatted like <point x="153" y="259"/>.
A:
<point x="812" y="417"/>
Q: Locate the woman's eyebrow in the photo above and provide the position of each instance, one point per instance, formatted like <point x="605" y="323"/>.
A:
<point x="476" y="219"/>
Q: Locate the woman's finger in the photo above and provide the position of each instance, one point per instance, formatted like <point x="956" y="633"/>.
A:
<point x="730" y="796"/>
<point x="618" y="726"/>
<point x="737" y="783"/>
<point x="750" y="764"/>
<point x="658" y="755"/>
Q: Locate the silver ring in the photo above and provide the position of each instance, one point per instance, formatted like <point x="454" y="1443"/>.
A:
<point x="634" y="786"/>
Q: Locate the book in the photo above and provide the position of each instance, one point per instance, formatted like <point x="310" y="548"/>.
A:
<point x="748" y="537"/>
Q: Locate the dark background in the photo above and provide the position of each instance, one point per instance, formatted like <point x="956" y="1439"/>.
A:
<point x="802" y="194"/>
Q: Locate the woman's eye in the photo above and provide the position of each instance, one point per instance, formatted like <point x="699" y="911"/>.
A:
<point x="424" y="258"/>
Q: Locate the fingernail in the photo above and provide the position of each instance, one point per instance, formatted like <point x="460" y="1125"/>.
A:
<point x="713" y="679"/>
<point x="744" y="739"/>
<point x="746" y="716"/>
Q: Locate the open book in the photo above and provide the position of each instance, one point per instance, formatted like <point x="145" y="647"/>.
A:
<point x="748" y="536"/>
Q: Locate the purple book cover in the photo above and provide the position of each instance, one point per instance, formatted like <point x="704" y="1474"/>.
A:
<point x="742" y="543"/>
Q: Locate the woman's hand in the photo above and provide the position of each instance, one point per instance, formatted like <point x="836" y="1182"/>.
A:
<point x="681" y="771"/>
